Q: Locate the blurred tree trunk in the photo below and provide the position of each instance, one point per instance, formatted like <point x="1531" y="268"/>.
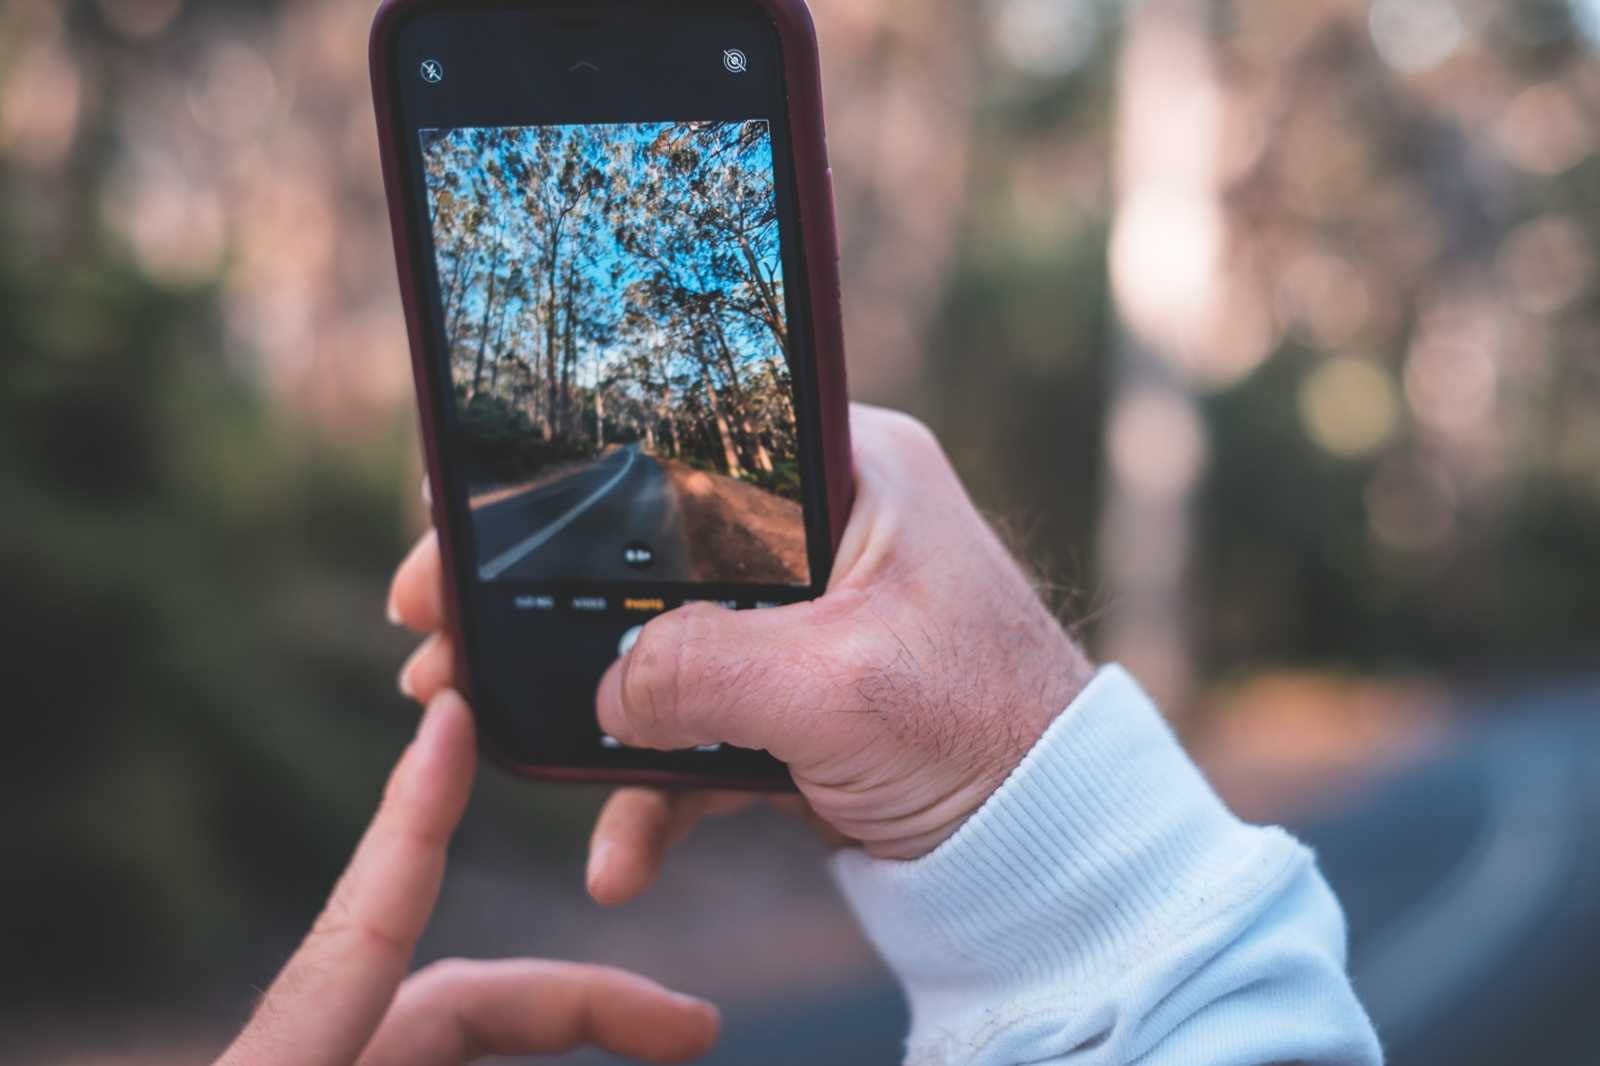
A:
<point x="753" y="447"/>
<point x="1166" y="133"/>
<point x="730" y="454"/>
<point x="494" y="365"/>
<point x="674" y="448"/>
<point x="911" y="70"/>
<point x="457" y="292"/>
<point x="551" y="330"/>
<point x="785" y="396"/>
<point x="771" y="300"/>
<point x="483" y="326"/>
<point x="569" y="349"/>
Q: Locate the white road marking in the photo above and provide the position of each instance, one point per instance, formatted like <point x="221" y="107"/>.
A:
<point x="506" y="560"/>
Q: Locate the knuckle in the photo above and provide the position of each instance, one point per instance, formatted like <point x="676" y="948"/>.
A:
<point x="434" y="998"/>
<point x="841" y="607"/>
<point x="913" y="432"/>
<point x="656" y="670"/>
<point x="440" y="976"/>
<point x="338" y="932"/>
<point x="912" y="447"/>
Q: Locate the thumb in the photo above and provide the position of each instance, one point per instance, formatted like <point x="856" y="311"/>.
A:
<point x="705" y="675"/>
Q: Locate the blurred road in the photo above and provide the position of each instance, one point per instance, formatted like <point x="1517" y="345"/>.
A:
<point x="580" y="525"/>
<point x="1472" y="887"/>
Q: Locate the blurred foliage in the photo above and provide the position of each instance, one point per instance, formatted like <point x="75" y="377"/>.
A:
<point x="502" y="446"/>
<point x="1411" y="479"/>
<point x="783" y="481"/>
<point x="193" y="636"/>
<point x="1016" y="360"/>
<point x="1295" y="576"/>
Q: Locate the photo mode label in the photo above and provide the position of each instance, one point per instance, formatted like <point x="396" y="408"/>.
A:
<point x="645" y="605"/>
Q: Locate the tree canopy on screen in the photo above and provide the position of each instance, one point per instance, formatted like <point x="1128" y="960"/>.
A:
<point x="615" y="284"/>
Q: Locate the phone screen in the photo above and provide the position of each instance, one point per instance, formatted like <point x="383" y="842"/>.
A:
<point x="620" y="359"/>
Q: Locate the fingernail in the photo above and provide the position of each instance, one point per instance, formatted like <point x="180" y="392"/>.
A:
<point x="407" y="683"/>
<point x="438" y="703"/>
<point x="433" y="713"/>
<point x="599" y="860"/>
<point x="392" y="612"/>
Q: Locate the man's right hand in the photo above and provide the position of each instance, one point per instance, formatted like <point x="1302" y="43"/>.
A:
<point x="900" y="700"/>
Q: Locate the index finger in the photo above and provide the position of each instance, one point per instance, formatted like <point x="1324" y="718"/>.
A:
<point x="333" y="993"/>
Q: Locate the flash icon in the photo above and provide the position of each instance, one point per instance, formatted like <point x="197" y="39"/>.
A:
<point x="735" y="61"/>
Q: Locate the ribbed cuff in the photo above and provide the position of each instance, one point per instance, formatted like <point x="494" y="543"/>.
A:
<point x="1103" y="846"/>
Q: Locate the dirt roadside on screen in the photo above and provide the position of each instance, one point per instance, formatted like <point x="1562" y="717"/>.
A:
<point x="737" y="532"/>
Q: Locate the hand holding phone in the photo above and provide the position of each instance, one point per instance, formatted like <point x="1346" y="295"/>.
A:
<point x="614" y="226"/>
<point x="900" y="700"/>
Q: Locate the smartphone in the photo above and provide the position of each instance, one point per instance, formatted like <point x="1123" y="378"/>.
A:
<point x="615" y="231"/>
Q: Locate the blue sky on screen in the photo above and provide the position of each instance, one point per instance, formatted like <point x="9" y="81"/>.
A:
<point x="596" y="249"/>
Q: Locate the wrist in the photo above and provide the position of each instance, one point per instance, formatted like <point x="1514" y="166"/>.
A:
<point x="944" y="720"/>
<point x="1103" y="841"/>
<point x="1038" y="696"/>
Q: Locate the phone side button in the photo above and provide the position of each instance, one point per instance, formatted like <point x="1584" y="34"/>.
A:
<point x="833" y="213"/>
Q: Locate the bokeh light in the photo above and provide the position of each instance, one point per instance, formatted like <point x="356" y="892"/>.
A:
<point x="1411" y="506"/>
<point x="41" y="96"/>
<point x="1451" y="380"/>
<point x="1158" y="444"/>
<point x="1349" y="406"/>
<point x="1045" y="38"/>
<point x="1545" y="130"/>
<point x="1547" y="264"/>
<point x="140" y="18"/>
<point x="1416" y="35"/>
<point x="1587" y="15"/>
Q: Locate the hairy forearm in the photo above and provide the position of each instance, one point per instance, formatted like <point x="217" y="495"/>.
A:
<point x="1105" y="907"/>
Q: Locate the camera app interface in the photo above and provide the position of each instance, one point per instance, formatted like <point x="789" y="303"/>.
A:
<point x="618" y="351"/>
<point x="616" y="302"/>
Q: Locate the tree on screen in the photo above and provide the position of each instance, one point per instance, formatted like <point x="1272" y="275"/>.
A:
<point x="609" y="285"/>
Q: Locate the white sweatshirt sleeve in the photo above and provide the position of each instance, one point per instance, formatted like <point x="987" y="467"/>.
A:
<point x="1105" y="907"/>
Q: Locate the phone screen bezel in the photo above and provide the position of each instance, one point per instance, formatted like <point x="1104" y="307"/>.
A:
<point x="797" y="139"/>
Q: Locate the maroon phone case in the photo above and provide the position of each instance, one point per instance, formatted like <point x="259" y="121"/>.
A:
<point x="820" y="239"/>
